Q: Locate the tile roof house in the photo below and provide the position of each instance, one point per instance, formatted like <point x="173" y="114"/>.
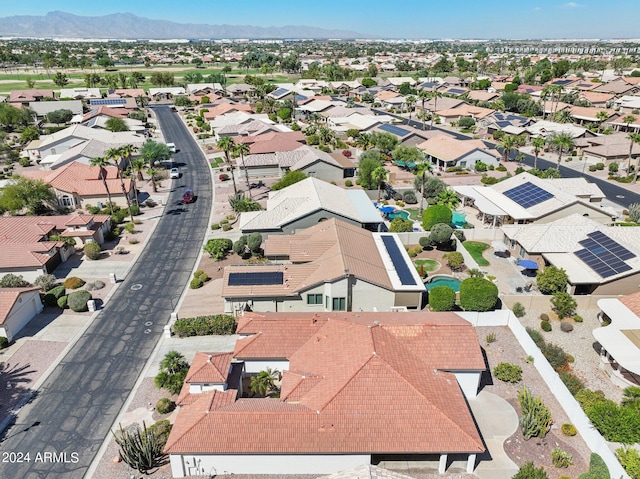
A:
<point x="308" y="202"/>
<point x="226" y="107"/>
<point x="620" y="340"/>
<point x="80" y="93"/>
<point x="525" y="198"/>
<point x="614" y="147"/>
<point x="444" y="152"/>
<point x="18" y="306"/>
<point x="42" y="108"/>
<point x="420" y="365"/>
<point x="331" y="266"/>
<point x="24" y="97"/>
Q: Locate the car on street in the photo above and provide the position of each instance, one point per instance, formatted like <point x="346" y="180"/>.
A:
<point x="188" y="197"/>
<point x="174" y="173"/>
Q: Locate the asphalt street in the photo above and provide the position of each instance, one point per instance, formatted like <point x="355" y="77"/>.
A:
<point x="76" y="406"/>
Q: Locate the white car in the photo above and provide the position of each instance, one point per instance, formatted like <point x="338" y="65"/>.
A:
<point x="174" y="173"/>
<point x="172" y="147"/>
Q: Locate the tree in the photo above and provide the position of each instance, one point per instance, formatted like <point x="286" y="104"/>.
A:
<point x="12" y="118"/>
<point x="434" y="95"/>
<point x="218" y="248"/>
<point x="421" y="169"/>
<point x="409" y="155"/>
<point x="628" y="120"/>
<point x="102" y="163"/>
<point x="30" y="133"/>
<point x="240" y="150"/>
<point x="182" y="101"/>
<point x="265" y="382"/>
<point x="173" y="370"/>
<point x="289" y="178"/>
<point x="478" y="294"/>
<point x="155" y="153"/>
<point x="13" y="281"/>
<point x="369" y="161"/>
<point x="440" y="234"/>
<point x="384" y="141"/>
<point x="363" y="140"/>
<point x="400" y="225"/>
<point x="507" y="143"/>
<point x="454" y="259"/>
<point x="226" y="144"/>
<point x="379" y="175"/>
<point x="60" y="116"/>
<point x="552" y="280"/>
<point x="449" y="198"/>
<point x="634" y="138"/>
<point x="25" y="193"/>
<point x="435" y="214"/>
<point x="563" y="304"/>
<point x="116" y="124"/>
<point x="116" y="155"/>
<point x="60" y="79"/>
<point x="562" y="142"/>
<point x="442" y="298"/>
<point x="538" y="145"/>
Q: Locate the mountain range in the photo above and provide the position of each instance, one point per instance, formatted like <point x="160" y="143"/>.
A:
<point x="128" y="26"/>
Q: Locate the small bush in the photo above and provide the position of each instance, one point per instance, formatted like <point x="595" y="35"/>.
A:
<point x="597" y="468"/>
<point x="529" y="471"/>
<point x="518" y="310"/>
<point x="226" y="227"/>
<point x="536" y="336"/>
<point x="491" y="338"/>
<point x="569" y="429"/>
<point x="165" y="406"/>
<point x="73" y="282"/>
<point x="92" y="251"/>
<point x="4" y="342"/>
<point x="134" y="241"/>
<point x="348" y="183"/>
<point x="573" y="383"/>
<point x="224" y="222"/>
<point x="555" y="355"/>
<point x="424" y="241"/>
<point x="577" y="318"/>
<point x="78" y="300"/>
<point x="442" y="298"/>
<point x="62" y="302"/>
<point x="570" y="359"/>
<point x="409" y="197"/>
<point x="94" y="285"/>
<point x="629" y="459"/>
<point x="196" y="283"/>
<point x="566" y="326"/>
<point x="478" y="294"/>
<point x="561" y="458"/>
<point x="545" y="326"/>
<point x="507" y="372"/>
<point x="45" y="281"/>
<point x="215" y="226"/>
<point x="11" y="280"/>
<point x="52" y="296"/>
<point x="544" y="317"/>
<point x="205" y="325"/>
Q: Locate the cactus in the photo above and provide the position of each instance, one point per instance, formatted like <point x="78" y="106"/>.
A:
<point x="536" y="417"/>
<point x="141" y="448"/>
<point x="634" y="212"/>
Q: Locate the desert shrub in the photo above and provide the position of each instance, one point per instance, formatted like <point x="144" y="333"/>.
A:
<point x="460" y="235"/>
<point x="218" y="247"/>
<point x="165" y="406"/>
<point x="409" y="197"/>
<point x="94" y="285"/>
<point x="491" y="338"/>
<point x="92" y="250"/>
<point x="440" y="234"/>
<point x="552" y="280"/>
<point x="544" y="317"/>
<point x="78" y="300"/>
<point x="196" y="283"/>
<point x="566" y="326"/>
<point x="73" y="282"/>
<point x="570" y="359"/>
<point x="226" y="227"/>
<point x="507" y="372"/>
<point x="130" y="227"/>
<point x="597" y="469"/>
<point x="478" y="294"/>
<point x="529" y="471"/>
<point x="615" y="423"/>
<point x="224" y="222"/>
<point x="589" y="398"/>
<point x="205" y="325"/>
<point x="577" y="318"/>
<point x="4" y="342"/>
<point x="536" y="417"/>
<point x="545" y="326"/>
<point x="563" y="304"/>
<point x="399" y="225"/>
<point x="62" y="302"/>
<point x="455" y="260"/>
<point x="52" y="296"/>
<point x="573" y="383"/>
<point x="215" y="226"/>
<point x="424" y="241"/>
<point x="569" y="429"/>
<point x="435" y="214"/>
<point x="556" y="356"/>
<point x="134" y="210"/>
<point x="348" y="183"/>
<point x="45" y="281"/>
<point x="442" y="298"/>
<point x="518" y="310"/>
<point x="561" y="458"/>
<point x="535" y="336"/>
<point x="629" y="459"/>
<point x="13" y="281"/>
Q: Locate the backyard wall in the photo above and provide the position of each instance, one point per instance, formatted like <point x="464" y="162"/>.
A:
<point x="578" y="418"/>
<point x="540" y="302"/>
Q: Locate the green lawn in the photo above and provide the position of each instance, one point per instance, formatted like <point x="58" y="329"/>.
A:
<point x="475" y="249"/>
<point x="428" y="265"/>
<point x="414" y="213"/>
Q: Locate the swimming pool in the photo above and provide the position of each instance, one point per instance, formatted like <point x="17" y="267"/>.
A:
<point x="443" y="280"/>
<point x="458" y="218"/>
<point x="398" y="214"/>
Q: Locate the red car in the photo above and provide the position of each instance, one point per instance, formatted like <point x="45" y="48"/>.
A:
<point x="188" y="197"/>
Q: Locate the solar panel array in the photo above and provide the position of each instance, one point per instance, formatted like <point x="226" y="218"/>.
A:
<point x="456" y="91"/>
<point x="261" y="278"/>
<point x="603" y="255"/>
<point x="404" y="273"/>
<point x="394" y="130"/>
<point x="562" y="82"/>
<point x="527" y="194"/>
<point x="280" y="92"/>
<point x="108" y="101"/>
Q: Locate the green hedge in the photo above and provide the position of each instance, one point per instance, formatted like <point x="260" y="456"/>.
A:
<point x="478" y="294"/>
<point x="205" y="325"/>
<point x="442" y="298"/>
<point x="52" y="296"/>
<point x="77" y="300"/>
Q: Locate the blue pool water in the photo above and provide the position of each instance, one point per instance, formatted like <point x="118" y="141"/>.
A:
<point x="398" y="214"/>
<point x="453" y="283"/>
<point x="458" y="218"/>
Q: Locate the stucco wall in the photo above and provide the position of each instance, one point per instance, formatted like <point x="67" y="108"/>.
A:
<point x="313" y="219"/>
<point x="255" y="366"/>
<point x="594" y="212"/>
<point x="23" y="311"/>
<point x="476" y="156"/>
<point x="469" y="381"/>
<point x="323" y="171"/>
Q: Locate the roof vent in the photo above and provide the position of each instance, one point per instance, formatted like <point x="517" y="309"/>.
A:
<point x="209" y="359"/>
<point x="376" y="322"/>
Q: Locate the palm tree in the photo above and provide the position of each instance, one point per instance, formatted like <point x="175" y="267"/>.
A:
<point x="264" y="382"/>
<point x="379" y="174"/>
<point x="435" y="94"/>
<point x="423" y="95"/>
<point x="544" y="96"/>
<point x="410" y="101"/>
<point x="102" y="163"/>
<point x="115" y="155"/>
<point x="240" y="150"/>
<point x="627" y="120"/>
<point x="602" y="116"/>
<point x="173" y="362"/>
<point x="420" y="171"/>
<point x="507" y="143"/>
<point x="226" y="144"/>
<point x="562" y="142"/>
<point x="363" y="140"/>
<point x="137" y="167"/>
<point x="538" y="145"/>
<point x="634" y="138"/>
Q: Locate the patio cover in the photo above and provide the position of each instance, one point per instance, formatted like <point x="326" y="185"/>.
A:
<point x="481" y="202"/>
<point x="617" y="338"/>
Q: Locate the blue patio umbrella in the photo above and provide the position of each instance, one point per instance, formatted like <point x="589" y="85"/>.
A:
<point x="528" y="264"/>
<point x="387" y="209"/>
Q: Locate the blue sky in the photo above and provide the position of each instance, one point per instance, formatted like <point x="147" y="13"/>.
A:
<point x="388" y="19"/>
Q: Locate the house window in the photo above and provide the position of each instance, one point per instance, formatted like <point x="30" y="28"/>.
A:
<point x="311" y="174"/>
<point x="339" y="304"/>
<point x="314" y="299"/>
<point x="66" y="201"/>
<point x="523" y="253"/>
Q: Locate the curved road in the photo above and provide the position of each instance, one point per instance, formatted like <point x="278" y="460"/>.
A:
<point x="76" y="406"/>
<point x="613" y="192"/>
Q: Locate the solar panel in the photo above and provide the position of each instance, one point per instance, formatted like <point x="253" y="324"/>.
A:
<point x="256" y="278"/>
<point x="456" y="91"/>
<point x="394" y="130"/>
<point x="527" y="194"/>
<point x="108" y="101"/>
<point x="562" y="82"/>
<point x="603" y="255"/>
<point x="280" y="92"/>
<point x="404" y="273"/>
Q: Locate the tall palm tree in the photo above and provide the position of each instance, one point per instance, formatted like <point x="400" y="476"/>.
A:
<point x="423" y="95"/>
<point x="421" y="170"/>
<point x="562" y="142"/>
<point x="602" y="116"/>
<point x="137" y="166"/>
<point x="538" y="145"/>
<point x="115" y="156"/>
<point x="410" y="101"/>
<point x="627" y="120"/>
<point x="226" y="144"/>
<point x="363" y="140"/>
<point x="379" y="174"/>
<point x="264" y="382"/>
<point x="507" y="143"/>
<point x="435" y="94"/>
<point x="634" y="138"/>
<point x="102" y="163"/>
<point x="240" y="150"/>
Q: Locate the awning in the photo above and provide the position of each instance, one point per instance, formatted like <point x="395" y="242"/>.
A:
<point x="528" y="264"/>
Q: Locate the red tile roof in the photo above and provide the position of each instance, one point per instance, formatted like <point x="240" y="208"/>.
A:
<point x="209" y="368"/>
<point x="355" y="386"/>
<point x="8" y="297"/>
<point x="632" y="301"/>
<point x="273" y="141"/>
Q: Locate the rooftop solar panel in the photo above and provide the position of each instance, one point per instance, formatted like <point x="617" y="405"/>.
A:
<point x="528" y="194"/>
<point x="603" y="255"/>
<point x="260" y="278"/>
<point x="280" y="92"/>
<point x="457" y="91"/>
<point x="108" y="101"/>
<point x="394" y="130"/>
<point x="404" y="273"/>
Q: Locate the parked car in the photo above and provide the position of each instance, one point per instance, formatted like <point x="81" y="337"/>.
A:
<point x="187" y="197"/>
<point x="174" y="173"/>
<point x="172" y="147"/>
